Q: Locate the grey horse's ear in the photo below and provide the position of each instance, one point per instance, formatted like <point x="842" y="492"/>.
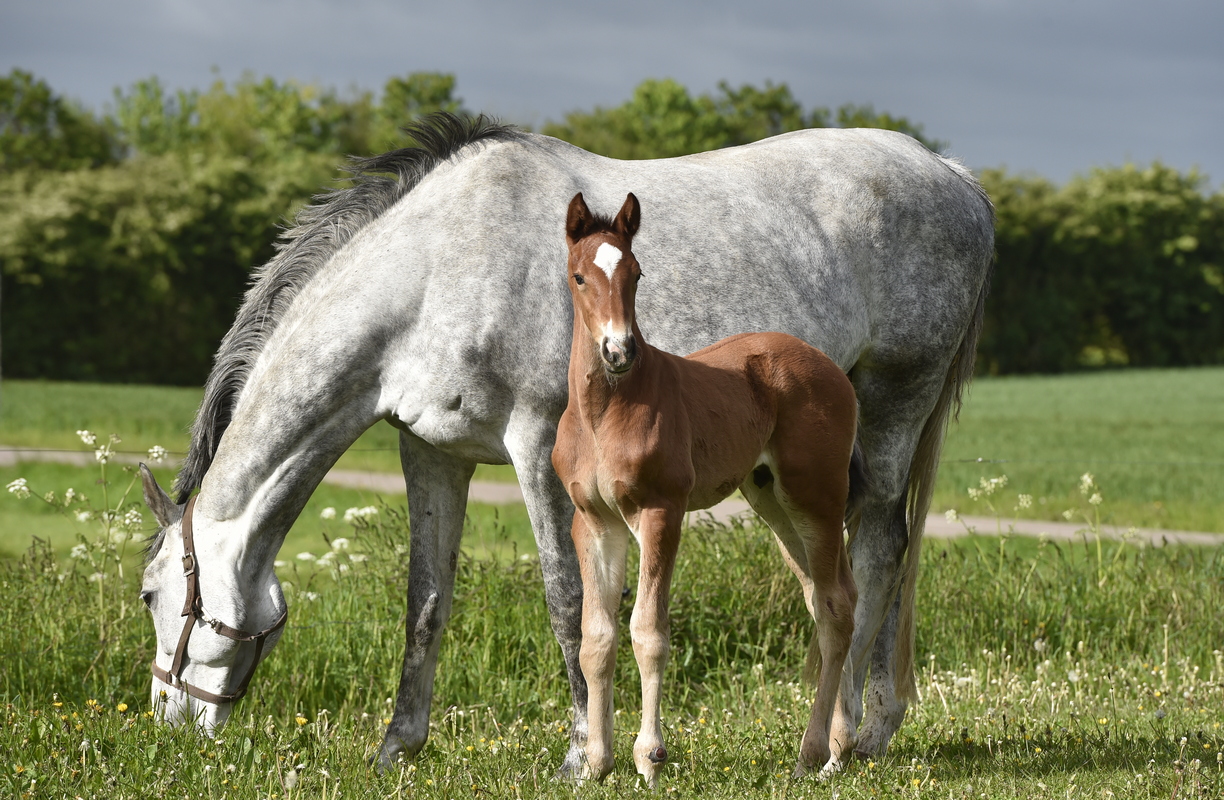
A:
<point x="579" y="220"/>
<point x="163" y="508"/>
<point x="629" y="217"/>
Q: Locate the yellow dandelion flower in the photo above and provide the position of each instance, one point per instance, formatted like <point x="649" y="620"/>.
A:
<point x="121" y="707"/>
<point x="300" y="720"/>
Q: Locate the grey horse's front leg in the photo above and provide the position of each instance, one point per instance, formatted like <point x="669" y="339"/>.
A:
<point x="437" y="486"/>
<point x="551" y="514"/>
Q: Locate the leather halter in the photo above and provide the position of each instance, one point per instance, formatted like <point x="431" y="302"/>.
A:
<point x="193" y="610"/>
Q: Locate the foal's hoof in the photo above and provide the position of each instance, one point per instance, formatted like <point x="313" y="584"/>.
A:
<point x="831" y="768"/>
<point x="658" y="755"/>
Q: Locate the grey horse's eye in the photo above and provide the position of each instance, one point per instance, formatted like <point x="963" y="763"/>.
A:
<point x="147" y="598"/>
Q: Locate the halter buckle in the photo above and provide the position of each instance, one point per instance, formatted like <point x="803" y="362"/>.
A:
<point x="189" y="565"/>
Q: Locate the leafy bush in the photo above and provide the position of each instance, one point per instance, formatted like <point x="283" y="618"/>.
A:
<point x="1118" y="267"/>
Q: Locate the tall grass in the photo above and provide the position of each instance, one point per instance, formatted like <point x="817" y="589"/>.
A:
<point x="1044" y="666"/>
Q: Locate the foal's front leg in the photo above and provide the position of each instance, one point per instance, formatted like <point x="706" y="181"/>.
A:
<point x="601" y="557"/>
<point x="658" y="533"/>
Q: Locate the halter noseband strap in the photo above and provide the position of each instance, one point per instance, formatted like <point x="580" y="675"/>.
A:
<point x="193" y="610"/>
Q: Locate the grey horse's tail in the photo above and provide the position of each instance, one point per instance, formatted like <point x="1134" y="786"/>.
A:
<point x="923" y="469"/>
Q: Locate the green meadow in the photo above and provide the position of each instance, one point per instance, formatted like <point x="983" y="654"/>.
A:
<point x="1046" y="670"/>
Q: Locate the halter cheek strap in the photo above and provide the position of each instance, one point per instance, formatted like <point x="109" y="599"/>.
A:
<point x="193" y="610"/>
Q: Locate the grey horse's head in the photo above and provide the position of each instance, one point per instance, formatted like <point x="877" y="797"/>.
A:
<point x="200" y="668"/>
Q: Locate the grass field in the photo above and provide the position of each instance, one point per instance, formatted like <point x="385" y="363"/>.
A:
<point x="1047" y="671"/>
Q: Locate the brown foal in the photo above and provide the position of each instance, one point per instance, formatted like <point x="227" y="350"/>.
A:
<point x="648" y="435"/>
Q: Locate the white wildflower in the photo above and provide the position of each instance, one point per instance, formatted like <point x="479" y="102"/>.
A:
<point x="157" y="453"/>
<point x="343" y="568"/>
<point x="352" y="515"/>
<point x="133" y="518"/>
<point x="1026" y="500"/>
<point x="1039" y="645"/>
<point x="70" y="495"/>
<point x="1068" y="514"/>
<point x="114" y="438"/>
<point x="1095" y="499"/>
<point x="1087" y="483"/>
<point x="951" y="516"/>
<point x="357" y="558"/>
<point x="306" y="556"/>
<point x="79" y="551"/>
<point x="340" y="544"/>
<point x="1073" y="676"/>
<point x="310" y="596"/>
<point x="280" y="564"/>
<point x="103" y="454"/>
<point x="118" y="537"/>
<point x="974" y="493"/>
<point x="90" y="439"/>
<point x="49" y="498"/>
<point x="83" y="515"/>
<point x="97" y="577"/>
<point x="291" y="779"/>
<point x="326" y="559"/>
<point x="19" y="488"/>
<point x="328" y="513"/>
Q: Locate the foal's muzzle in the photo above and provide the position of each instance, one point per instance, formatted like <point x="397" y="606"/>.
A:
<point x="618" y="353"/>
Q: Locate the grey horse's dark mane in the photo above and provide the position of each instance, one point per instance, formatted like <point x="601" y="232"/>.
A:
<point x="318" y="232"/>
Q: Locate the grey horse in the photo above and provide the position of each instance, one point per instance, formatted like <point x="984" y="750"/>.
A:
<point x="429" y="295"/>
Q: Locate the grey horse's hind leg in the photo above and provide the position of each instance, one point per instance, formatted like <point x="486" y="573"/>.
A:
<point x="437" y="486"/>
<point x="884" y="710"/>
<point x="551" y="514"/>
<point x="893" y="413"/>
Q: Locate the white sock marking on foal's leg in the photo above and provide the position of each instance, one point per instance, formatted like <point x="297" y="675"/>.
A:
<point x="607" y="257"/>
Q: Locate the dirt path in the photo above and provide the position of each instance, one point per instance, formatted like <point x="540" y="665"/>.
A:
<point x="506" y="493"/>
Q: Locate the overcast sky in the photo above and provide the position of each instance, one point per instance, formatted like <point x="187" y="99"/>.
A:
<point x="1046" y="86"/>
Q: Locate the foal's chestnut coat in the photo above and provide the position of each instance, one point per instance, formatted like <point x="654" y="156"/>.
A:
<point x="648" y="435"/>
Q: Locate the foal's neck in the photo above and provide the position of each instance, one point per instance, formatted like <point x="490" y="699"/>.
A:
<point x="592" y="388"/>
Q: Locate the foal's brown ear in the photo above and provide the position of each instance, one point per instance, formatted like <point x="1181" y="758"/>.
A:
<point x="629" y="217"/>
<point x="579" y="220"/>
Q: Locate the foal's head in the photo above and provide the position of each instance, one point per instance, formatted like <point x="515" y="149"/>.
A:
<point x="603" y="276"/>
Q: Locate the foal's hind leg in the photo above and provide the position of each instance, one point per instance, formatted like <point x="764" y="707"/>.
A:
<point x="828" y="589"/>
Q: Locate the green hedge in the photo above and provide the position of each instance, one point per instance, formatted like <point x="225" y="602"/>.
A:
<point x="126" y="242"/>
<point x="1118" y="267"/>
<point x="133" y="272"/>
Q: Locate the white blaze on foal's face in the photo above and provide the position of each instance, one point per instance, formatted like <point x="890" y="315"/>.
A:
<point x="607" y="257"/>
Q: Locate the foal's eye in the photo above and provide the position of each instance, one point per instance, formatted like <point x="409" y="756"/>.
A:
<point x="578" y="279"/>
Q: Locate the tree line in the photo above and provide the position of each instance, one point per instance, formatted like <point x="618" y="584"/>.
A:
<point x="127" y="238"/>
